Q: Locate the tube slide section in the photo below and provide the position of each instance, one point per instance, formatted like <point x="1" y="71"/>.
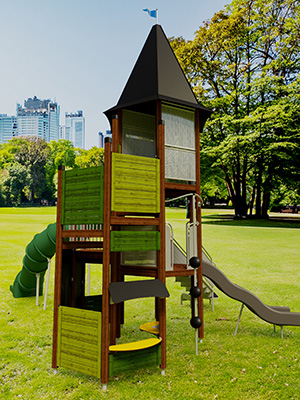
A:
<point x="274" y="315"/>
<point x="37" y="253"/>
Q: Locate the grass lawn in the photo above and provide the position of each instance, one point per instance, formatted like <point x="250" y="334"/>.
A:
<point x="262" y="256"/>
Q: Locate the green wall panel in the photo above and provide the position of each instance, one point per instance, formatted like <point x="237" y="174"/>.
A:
<point x="135" y="184"/>
<point x="121" y="362"/>
<point x="134" y="241"/>
<point x="79" y="340"/>
<point x="82" y="196"/>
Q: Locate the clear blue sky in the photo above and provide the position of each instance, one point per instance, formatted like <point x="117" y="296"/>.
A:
<point x="81" y="52"/>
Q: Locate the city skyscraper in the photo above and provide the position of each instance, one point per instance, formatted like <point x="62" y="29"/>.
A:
<point x="41" y="118"/>
<point x="102" y="136"/>
<point x="38" y="118"/>
<point x="8" y="127"/>
<point x="74" y="129"/>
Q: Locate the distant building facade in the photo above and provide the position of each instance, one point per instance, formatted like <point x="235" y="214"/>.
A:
<point x="8" y="127"/>
<point x="41" y="118"/>
<point x="102" y="136"/>
<point x="74" y="129"/>
<point x="38" y="118"/>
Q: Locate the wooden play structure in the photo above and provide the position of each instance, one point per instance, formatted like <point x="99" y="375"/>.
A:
<point x="114" y="216"/>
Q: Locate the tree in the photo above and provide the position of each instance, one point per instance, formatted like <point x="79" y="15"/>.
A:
<point x="244" y="64"/>
<point x="24" y="161"/>
<point x="17" y="184"/>
<point x="61" y="152"/>
<point x="90" y="158"/>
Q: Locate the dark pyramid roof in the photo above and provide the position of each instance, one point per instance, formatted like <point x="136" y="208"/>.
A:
<point x="156" y="75"/>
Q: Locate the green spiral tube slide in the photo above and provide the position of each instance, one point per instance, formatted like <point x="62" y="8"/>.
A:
<point x="35" y="261"/>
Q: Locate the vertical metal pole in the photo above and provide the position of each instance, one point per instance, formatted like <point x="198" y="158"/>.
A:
<point x="238" y="321"/>
<point x="37" y="288"/>
<point x="47" y="283"/>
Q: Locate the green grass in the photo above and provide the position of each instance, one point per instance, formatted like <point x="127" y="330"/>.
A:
<point x="262" y="256"/>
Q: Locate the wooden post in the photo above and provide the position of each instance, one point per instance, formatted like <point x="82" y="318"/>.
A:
<point x="198" y="218"/>
<point x="115" y="133"/>
<point x="114" y="258"/>
<point x="58" y="267"/>
<point x="106" y="264"/>
<point x="161" y="273"/>
<point x="113" y="307"/>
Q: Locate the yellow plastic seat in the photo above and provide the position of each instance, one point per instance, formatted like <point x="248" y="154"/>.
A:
<point x="139" y="345"/>
<point x="150" y="327"/>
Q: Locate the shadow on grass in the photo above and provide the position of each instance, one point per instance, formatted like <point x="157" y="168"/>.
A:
<point x="272" y="222"/>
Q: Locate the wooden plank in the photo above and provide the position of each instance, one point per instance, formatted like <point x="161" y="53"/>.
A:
<point x="134" y="184"/>
<point x="106" y="265"/>
<point x="77" y="366"/>
<point x="89" y="356"/>
<point x="198" y="218"/>
<point x="75" y="320"/>
<point x="58" y="268"/>
<point x="115" y="131"/>
<point x="139" y="207"/>
<point x="69" y="340"/>
<point x="62" y="195"/>
<point x="90" y="184"/>
<point x="139" y="271"/>
<point x="134" y="221"/>
<point x="121" y="362"/>
<point x="135" y="240"/>
<point x="85" y="172"/>
<point x="77" y="360"/>
<point x="83" y="196"/>
<point x="161" y="269"/>
<point x="79" y="340"/>
<point x="132" y="159"/>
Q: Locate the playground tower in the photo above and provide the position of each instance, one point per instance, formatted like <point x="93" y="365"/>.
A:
<point x="114" y="216"/>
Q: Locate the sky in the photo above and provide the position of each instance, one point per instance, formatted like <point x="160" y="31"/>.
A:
<point x="80" y="53"/>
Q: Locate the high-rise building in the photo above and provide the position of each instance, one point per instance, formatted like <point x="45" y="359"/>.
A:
<point x="38" y="118"/>
<point x="74" y="129"/>
<point x="102" y="136"/>
<point x="8" y="127"/>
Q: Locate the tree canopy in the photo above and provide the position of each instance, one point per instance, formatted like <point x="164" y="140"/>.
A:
<point x="244" y="64"/>
<point x="28" y="167"/>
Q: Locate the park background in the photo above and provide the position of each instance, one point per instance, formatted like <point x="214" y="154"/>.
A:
<point x="244" y="64"/>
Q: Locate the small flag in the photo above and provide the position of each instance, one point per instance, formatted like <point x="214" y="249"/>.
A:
<point x="152" y="13"/>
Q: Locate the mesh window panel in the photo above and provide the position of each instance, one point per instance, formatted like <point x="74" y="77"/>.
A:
<point x="179" y="143"/>
<point x="180" y="164"/>
<point x="138" y="135"/>
<point x="179" y="127"/>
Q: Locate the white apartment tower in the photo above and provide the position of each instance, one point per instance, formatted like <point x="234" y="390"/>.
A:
<point x="75" y="128"/>
<point x="8" y="127"/>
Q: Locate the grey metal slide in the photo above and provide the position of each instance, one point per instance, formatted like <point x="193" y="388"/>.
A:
<point x="280" y="316"/>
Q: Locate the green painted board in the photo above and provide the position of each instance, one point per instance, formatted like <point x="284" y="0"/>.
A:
<point x="135" y="184"/>
<point x="134" y="240"/>
<point x="121" y="362"/>
<point x="79" y="340"/>
<point x="83" y="196"/>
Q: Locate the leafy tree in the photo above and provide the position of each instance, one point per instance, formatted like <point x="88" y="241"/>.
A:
<point x="16" y="184"/>
<point x="90" y="158"/>
<point x="244" y="64"/>
<point x="33" y="153"/>
<point x="62" y="152"/>
<point x="24" y="160"/>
